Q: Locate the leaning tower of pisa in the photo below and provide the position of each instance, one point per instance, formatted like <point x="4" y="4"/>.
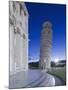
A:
<point x="45" y="47"/>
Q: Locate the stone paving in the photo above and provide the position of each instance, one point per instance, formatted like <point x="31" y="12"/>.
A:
<point x="31" y="78"/>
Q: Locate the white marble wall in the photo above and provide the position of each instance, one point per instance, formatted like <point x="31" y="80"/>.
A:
<point x="18" y="36"/>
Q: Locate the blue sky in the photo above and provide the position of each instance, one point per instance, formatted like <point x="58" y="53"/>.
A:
<point x="38" y="14"/>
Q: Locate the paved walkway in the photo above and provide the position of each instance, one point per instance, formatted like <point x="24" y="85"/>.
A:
<point x="31" y="78"/>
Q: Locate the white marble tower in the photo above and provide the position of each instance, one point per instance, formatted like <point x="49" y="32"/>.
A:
<point x="45" y="48"/>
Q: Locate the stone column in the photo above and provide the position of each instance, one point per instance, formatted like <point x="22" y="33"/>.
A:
<point x="45" y="48"/>
<point x="12" y="61"/>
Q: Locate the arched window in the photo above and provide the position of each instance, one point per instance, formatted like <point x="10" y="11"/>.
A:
<point x="24" y="36"/>
<point x="10" y="20"/>
<point x="20" y="8"/>
<point x="14" y="7"/>
<point x="17" y="30"/>
<point x="48" y="31"/>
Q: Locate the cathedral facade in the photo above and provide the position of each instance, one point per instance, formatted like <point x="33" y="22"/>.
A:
<point x="18" y="26"/>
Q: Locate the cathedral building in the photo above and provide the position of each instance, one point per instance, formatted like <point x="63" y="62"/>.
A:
<point x="18" y="26"/>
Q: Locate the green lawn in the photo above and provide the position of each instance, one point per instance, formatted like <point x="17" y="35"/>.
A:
<point x="60" y="72"/>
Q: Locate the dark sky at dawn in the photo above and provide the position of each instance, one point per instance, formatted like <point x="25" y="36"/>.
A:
<point x="38" y="14"/>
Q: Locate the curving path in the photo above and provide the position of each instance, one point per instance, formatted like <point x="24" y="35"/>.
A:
<point x="31" y="78"/>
